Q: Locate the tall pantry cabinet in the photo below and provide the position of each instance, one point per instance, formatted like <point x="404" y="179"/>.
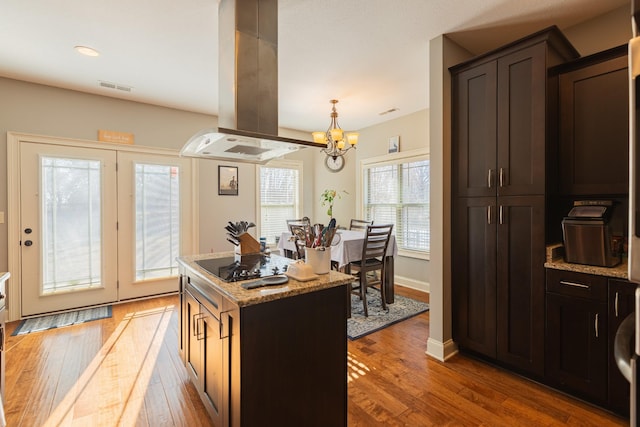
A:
<point x="500" y="130"/>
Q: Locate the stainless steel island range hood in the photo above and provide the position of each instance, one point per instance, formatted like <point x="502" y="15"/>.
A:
<point x="248" y="88"/>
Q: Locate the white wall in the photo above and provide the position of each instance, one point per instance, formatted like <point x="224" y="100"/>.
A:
<point x="602" y="33"/>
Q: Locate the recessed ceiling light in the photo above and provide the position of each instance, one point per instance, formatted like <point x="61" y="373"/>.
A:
<point x="87" y="51"/>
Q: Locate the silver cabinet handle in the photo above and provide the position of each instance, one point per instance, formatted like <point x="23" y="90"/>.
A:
<point x="489" y="215"/>
<point x="501" y="175"/>
<point x="224" y="315"/>
<point x="501" y="216"/>
<point x="597" y="315"/>
<point x="194" y="324"/>
<point x="489" y="180"/>
<point x="615" y="304"/>
<point x="197" y="318"/>
<point x="575" y="285"/>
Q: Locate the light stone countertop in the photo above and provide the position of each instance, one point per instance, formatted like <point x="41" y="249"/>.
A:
<point x="243" y="297"/>
<point x="619" y="271"/>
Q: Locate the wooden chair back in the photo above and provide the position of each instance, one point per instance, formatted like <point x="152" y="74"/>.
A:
<point x="376" y="241"/>
<point x="359" y="224"/>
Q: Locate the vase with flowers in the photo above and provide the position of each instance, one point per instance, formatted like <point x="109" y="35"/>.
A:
<point x="328" y="197"/>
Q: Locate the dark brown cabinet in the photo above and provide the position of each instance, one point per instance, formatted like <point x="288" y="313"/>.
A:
<point x="500" y="144"/>
<point x="584" y="312"/>
<point x="205" y="352"/>
<point x="499" y="138"/>
<point x="621" y="304"/>
<point x="3" y="319"/>
<point x="577" y="334"/>
<point x="594" y="124"/>
<point x="474" y="274"/>
<point x="498" y="294"/>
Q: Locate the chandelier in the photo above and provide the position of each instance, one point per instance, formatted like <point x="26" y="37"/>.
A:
<point x="334" y="137"/>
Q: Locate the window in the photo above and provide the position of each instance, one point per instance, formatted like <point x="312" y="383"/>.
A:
<point x="157" y="220"/>
<point x="71" y="221"/>
<point x="280" y="198"/>
<point x="396" y="191"/>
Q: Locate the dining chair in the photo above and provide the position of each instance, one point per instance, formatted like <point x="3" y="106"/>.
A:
<point x="374" y="250"/>
<point x="359" y="224"/>
<point x="302" y="221"/>
<point x="300" y="233"/>
<point x="291" y="223"/>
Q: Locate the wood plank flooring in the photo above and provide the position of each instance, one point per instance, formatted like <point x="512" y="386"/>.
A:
<point x="125" y="371"/>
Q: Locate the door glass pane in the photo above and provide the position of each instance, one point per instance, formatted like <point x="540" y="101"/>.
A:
<point x="157" y="220"/>
<point x="71" y="224"/>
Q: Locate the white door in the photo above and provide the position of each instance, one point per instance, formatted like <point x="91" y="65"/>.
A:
<point x="154" y="199"/>
<point x="68" y="227"/>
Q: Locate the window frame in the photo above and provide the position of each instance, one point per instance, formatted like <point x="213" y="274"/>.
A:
<point x="393" y="159"/>
<point x="278" y="164"/>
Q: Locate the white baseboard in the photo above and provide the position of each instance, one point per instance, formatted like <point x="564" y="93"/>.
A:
<point x="441" y="351"/>
<point x="411" y="283"/>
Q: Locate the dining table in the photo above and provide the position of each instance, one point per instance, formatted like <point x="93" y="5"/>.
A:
<point x="347" y="248"/>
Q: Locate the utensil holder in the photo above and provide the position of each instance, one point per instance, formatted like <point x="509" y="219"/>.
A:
<point x="320" y="260"/>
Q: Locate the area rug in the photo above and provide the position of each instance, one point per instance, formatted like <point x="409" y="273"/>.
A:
<point x="403" y="308"/>
<point x="43" y="323"/>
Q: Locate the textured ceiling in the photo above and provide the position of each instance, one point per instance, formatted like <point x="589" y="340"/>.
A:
<point x="372" y="55"/>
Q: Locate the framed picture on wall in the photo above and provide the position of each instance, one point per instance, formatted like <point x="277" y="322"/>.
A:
<point x="228" y="180"/>
<point x="394" y="144"/>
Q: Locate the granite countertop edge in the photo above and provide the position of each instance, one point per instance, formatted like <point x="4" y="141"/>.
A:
<point x="243" y="297"/>
<point x="619" y="271"/>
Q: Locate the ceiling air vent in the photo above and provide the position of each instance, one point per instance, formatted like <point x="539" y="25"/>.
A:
<point x="115" y="86"/>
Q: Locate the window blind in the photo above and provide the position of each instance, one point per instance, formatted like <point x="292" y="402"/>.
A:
<point x="397" y="192"/>
<point x="279" y="200"/>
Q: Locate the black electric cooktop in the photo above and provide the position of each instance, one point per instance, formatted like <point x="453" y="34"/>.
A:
<point x="244" y="267"/>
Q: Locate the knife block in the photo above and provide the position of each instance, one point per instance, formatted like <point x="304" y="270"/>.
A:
<point x="248" y="245"/>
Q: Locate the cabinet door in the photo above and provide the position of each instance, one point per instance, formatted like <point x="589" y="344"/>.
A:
<point x="594" y="129"/>
<point x="183" y="317"/>
<point x="576" y="352"/>
<point x="474" y="274"/>
<point x="193" y="353"/>
<point x="3" y="319"/>
<point x="621" y="304"/>
<point x="520" y="282"/>
<point x="521" y="122"/>
<point x="213" y="366"/>
<point x="474" y="128"/>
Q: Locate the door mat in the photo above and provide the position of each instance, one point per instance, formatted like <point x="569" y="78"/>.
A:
<point x="53" y="321"/>
<point x="403" y="308"/>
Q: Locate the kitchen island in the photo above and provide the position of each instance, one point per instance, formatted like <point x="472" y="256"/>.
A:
<point x="274" y="355"/>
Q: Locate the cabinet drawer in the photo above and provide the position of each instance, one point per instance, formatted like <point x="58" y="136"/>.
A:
<point x="206" y="295"/>
<point x="575" y="284"/>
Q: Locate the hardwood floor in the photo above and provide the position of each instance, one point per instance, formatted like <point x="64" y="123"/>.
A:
<point x="125" y="371"/>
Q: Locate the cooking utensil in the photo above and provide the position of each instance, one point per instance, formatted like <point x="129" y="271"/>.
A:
<point x="266" y="281"/>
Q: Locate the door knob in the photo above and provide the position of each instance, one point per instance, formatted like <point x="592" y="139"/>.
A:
<point x="28" y="243"/>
